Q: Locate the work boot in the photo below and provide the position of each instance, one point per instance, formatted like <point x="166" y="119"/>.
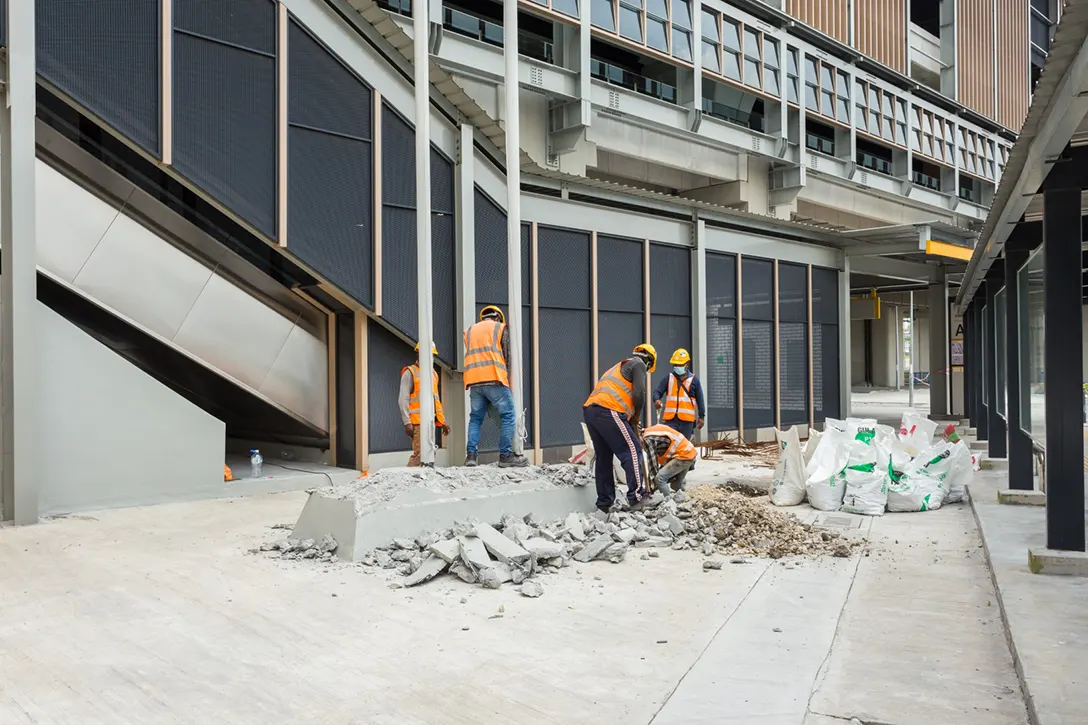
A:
<point x="471" y="460"/>
<point x="513" y="460"/>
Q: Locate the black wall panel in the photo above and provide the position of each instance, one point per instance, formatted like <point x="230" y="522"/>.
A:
<point x="563" y="268"/>
<point x="330" y="170"/>
<point x="721" y="328"/>
<point x="825" y="343"/>
<point x="667" y="333"/>
<point x="346" y="395"/>
<point x="757" y="340"/>
<point x="670" y="280"/>
<point x="565" y="374"/>
<point x="386" y="356"/>
<point x="619" y="275"/>
<point x="617" y="335"/>
<point x="793" y="339"/>
<point x="792" y="292"/>
<point x="225" y="103"/>
<point x="105" y="55"/>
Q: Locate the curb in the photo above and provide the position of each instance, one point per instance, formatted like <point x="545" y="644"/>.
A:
<point x="1025" y="690"/>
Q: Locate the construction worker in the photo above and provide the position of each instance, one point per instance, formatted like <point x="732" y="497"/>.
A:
<point x="409" y="405"/>
<point x="611" y="413"/>
<point x="679" y="396"/>
<point x="487" y="378"/>
<point x="675" y="455"/>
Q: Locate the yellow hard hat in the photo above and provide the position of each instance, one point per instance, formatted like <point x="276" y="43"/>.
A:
<point x="649" y="350"/>
<point x="496" y="310"/>
<point x="680" y="357"/>
<point x="434" y="348"/>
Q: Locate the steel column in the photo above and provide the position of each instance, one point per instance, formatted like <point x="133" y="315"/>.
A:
<point x="940" y="374"/>
<point x="968" y="366"/>
<point x="421" y="66"/>
<point x="1063" y="355"/>
<point x="513" y="214"/>
<point x="985" y="360"/>
<point x="1020" y="446"/>
<point x="996" y="429"/>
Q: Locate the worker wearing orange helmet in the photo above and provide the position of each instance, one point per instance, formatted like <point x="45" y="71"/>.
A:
<point x="611" y="413"/>
<point x="487" y="378"/>
<point x="408" y="401"/>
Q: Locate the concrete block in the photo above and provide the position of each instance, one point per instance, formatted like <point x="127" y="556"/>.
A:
<point x="573" y="525"/>
<point x="431" y="567"/>
<point x="448" y="550"/>
<point x="495" y="575"/>
<point x="1060" y="563"/>
<point x="994" y="464"/>
<point x="594" y="548"/>
<point x="544" y="549"/>
<point x="654" y="542"/>
<point x="500" y="547"/>
<point x="676" y="526"/>
<point x="615" y="553"/>
<point x="625" y="536"/>
<point x="473" y="553"/>
<point x="1016" y="497"/>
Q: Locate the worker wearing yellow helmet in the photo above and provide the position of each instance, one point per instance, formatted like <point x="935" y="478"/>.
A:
<point x="611" y="413"/>
<point x="408" y="400"/>
<point x="487" y="378"/>
<point x="679" y="396"/>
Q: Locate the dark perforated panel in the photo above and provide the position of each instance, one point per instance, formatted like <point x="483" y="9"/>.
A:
<point x="105" y="55"/>
<point x="792" y="292"/>
<point x="617" y="335"/>
<point x="818" y="371"/>
<point x="721" y="386"/>
<point x="565" y="375"/>
<point x="245" y="23"/>
<point x="793" y="337"/>
<point x="757" y="336"/>
<point x="490" y="251"/>
<point x="825" y="361"/>
<point x="441" y="183"/>
<point x="721" y="285"/>
<point x="322" y="93"/>
<point x="825" y="295"/>
<point x="398" y="160"/>
<point x="619" y="275"/>
<point x="3" y="22"/>
<point x="443" y="259"/>
<point x="225" y="122"/>
<point x="670" y="280"/>
<point x="329" y="218"/>
<point x="386" y="356"/>
<point x="563" y="268"/>
<point x="667" y="333"/>
<point x="757" y="289"/>
<point x="399" y="302"/>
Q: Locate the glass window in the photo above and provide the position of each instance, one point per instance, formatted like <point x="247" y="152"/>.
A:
<point x="731" y="61"/>
<point x="751" y="73"/>
<point x="681" y="14"/>
<point x="630" y="24"/>
<point x="711" y="26"/>
<point x="874" y="123"/>
<point x="842" y="86"/>
<point x="999" y="353"/>
<point x="901" y="134"/>
<point x="657" y="8"/>
<point x="770" y="52"/>
<point x="843" y="110"/>
<point x="874" y="99"/>
<point x="827" y="78"/>
<point x="811" y="103"/>
<point x="730" y="35"/>
<point x="811" y="74"/>
<point x="681" y="43"/>
<point x="657" y="34"/>
<point x="710" y="57"/>
<point x="770" y="81"/>
<point x="602" y="14"/>
<point x="751" y="44"/>
<point x="916" y="140"/>
<point x="859" y="92"/>
<point x="859" y="116"/>
<point x="567" y="7"/>
<point x="889" y="132"/>
<point x="827" y="106"/>
<point x="986" y="340"/>
<point x="1031" y="298"/>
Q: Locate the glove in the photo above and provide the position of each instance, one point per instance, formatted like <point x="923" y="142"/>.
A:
<point x="658" y="404"/>
<point x="699" y="424"/>
<point x="409" y="429"/>
<point x="445" y="429"/>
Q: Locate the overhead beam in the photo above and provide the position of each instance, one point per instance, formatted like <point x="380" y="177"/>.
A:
<point x="884" y="250"/>
<point x="894" y="269"/>
<point x="944" y="249"/>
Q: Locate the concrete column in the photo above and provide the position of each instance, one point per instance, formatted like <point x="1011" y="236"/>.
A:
<point x="18" y="281"/>
<point x="457" y="397"/>
<point x="700" y="352"/>
<point x="585" y="87"/>
<point x="1021" y="453"/>
<point x="844" y="337"/>
<point x="939" y="337"/>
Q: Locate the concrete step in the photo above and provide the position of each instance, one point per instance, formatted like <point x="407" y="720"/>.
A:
<point x="994" y="464"/>
<point x="979" y="445"/>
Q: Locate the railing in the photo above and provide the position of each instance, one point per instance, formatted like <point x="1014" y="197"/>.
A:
<point x="472" y="26"/>
<point x="874" y="163"/>
<point x="401" y="7"/>
<point x="929" y="182"/>
<point x="819" y="143"/>
<point x="733" y="115"/>
<point x="620" y="77"/>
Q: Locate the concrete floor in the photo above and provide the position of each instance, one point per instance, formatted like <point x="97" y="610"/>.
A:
<point x="156" y="615"/>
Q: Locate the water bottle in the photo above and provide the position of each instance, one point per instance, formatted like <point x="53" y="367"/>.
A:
<point x="255" y="464"/>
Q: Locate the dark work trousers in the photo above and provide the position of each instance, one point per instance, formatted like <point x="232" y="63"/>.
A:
<point x="612" y="435"/>
<point x="683" y="427"/>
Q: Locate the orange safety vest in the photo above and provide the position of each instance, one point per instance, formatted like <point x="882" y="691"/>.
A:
<point x="613" y="392"/>
<point x="679" y="402"/>
<point x="484" y="362"/>
<point x="680" y="447"/>
<point x="413" y="402"/>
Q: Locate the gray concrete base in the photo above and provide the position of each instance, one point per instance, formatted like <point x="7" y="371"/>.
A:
<point x="421" y="511"/>
<point x="994" y="464"/>
<point x="979" y="445"/>
<point x="1058" y="563"/>
<point x="1018" y="497"/>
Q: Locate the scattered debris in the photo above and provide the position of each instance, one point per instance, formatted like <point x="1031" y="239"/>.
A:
<point x="712" y="564"/>
<point x="531" y="589"/>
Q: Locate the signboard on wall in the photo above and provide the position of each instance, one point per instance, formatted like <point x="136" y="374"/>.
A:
<point x="957" y="348"/>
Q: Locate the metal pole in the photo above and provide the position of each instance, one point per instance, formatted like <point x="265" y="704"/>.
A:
<point x="513" y="213"/>
<point x="913" y="347"/>
<point x="421" y="60"/>
<point x="18" y="282"/>
<point x="898" y="350"/>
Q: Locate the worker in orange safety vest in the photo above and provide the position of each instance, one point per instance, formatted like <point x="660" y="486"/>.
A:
<point x="674" y="455"/>
<point x="408" y="400"/>
<point x="487" y="378"/>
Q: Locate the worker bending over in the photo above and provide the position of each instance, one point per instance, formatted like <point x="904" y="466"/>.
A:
<point x="487" y="378"/>
<point x="679" y="396"/>
<point x="675" y="455"/>
<point x="409" y="404"/>
<point x="611" y="413"/>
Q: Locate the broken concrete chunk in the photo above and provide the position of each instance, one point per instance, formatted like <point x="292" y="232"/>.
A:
<point x="594" y="548"/>
<point x="557" y="562"/>
<point x="708" y="549"/>
<point x="415" y="562"/>
<point x="424" y="541"/>
<point x="519" y="573"/>
<point x="654" y="554"/>
<point x="712" y="564"/>
<point x="473" y="553"/>
<point x="543" y="549"/>
<point x="431" y="567"/>
<point x="406" y="544"/>
<point x="615" y="553"/>
<point x="384" y="560"/>
<point x="292" y="545"/>
<point x="625" y="536"/>
<point x="654" y="542"/>
<point x="448" y="551"/>
<point x="676" y="526"/>
<point x="310" y="553"/>
<point x="327" y="544"/>
<point x="531" y="589"/>
<point x="494" y="576"/>
<point x="403" y="554"/>
<point x="462" y="572"/>
<point x="574" y="527"/>
<point x="500" y="547"/>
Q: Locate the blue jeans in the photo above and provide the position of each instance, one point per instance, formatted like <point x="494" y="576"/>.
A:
<point x="501" y="399"/>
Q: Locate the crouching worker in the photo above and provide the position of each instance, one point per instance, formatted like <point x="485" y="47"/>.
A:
<point x="409" y="405"/>
<point x="675" y="456"/>
<point x="611" y="413"/>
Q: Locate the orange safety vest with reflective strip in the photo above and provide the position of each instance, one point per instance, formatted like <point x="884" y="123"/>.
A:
<point x="613" y="392"/>
<point x="484" y="362"/>
<point x="679" y="402"/>
<point x="413" y="402"/>
<point x="680" y="447"/>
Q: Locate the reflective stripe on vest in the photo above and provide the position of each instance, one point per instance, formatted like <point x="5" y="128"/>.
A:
<point x="613" y="392"/>
<point x="484" y="361"/>
<point x="679" y="446"/>
<point x="679" y="402"/>
<point x="413" y="402"/>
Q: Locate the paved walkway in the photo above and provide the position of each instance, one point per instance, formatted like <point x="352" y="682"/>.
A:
<point x="156" y="615"/>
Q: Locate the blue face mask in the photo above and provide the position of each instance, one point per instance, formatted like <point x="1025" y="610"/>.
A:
<point x="680" y="370"/>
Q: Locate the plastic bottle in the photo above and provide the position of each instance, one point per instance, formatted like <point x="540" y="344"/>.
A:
<point x="256" y="463"/>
